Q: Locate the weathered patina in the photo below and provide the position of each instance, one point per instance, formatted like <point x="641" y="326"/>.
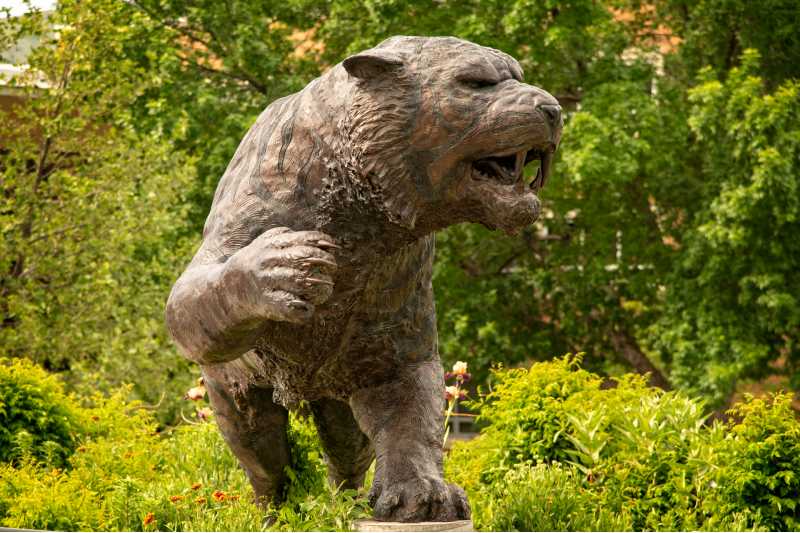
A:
<point x="313" y="281"/>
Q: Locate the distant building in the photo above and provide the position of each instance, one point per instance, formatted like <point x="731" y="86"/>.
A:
<point x="15" y="84"/>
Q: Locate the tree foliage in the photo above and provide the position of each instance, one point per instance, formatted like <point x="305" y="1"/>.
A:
<point x="666" y="244"/>
<point x="89" y="211"/>
<point x="731" y="307"/>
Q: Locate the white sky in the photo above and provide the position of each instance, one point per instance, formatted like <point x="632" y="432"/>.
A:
<point x="18" y="7"/>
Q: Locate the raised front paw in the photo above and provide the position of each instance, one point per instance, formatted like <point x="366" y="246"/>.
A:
<point x="419" y="500"/>
<point x="284" y="274"/>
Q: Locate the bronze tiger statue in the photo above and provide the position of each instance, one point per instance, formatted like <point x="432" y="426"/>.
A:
<point x="313" y="281"/>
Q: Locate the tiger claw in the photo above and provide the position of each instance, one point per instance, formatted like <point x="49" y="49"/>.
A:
<point x="327" y="244"/>
<point x="318" y="261"/>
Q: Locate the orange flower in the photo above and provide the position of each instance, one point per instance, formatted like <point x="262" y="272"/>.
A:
<point x="176" y="498"/>
<point x="200" y="500"/>
<point x="95" y="418"/>
<point x="219" y="495"/>
<point x="196" y="486"/>
<point x="149" y="518"/>
<point x="233" y="497"/>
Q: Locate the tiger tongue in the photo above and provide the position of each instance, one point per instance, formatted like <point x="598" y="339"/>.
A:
<point x="502" y="172"/>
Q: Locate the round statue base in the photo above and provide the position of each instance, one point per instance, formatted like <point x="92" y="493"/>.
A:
<point x="375" y="525"/>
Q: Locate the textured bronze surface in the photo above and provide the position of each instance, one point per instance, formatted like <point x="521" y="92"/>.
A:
<point x="313" y="281"/>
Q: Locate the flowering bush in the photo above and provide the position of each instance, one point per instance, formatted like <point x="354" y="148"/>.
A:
<point x="453" y="393"/>
<point x="123" y="475"/>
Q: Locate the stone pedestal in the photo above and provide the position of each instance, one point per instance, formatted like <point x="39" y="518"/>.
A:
<point x="374" y="525"/>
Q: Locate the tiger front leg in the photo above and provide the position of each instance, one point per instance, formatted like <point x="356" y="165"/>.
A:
<point x="404" y="420"/>
<point x="217" y="310"/>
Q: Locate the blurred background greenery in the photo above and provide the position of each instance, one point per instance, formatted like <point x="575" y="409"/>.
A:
<point x="669" y="242"/>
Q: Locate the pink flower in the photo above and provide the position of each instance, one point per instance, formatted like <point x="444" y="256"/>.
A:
<point x="205" y="413"/>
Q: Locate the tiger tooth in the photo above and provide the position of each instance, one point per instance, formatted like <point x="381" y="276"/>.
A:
<point x="535" y="183"/>
<point x="544" y="167"/>
<point x="519" y="164"/>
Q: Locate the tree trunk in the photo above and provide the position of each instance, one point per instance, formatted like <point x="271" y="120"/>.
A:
<point x="627" y="347"/>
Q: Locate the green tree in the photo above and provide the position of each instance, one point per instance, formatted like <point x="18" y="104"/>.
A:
<point x="89" y="208"/>
<point x="218" y="65"/>
<point x="732" y="306"/>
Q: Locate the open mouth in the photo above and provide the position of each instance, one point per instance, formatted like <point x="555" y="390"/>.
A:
<point x="509" y="169"/>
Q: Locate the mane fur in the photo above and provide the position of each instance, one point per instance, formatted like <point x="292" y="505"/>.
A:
<point x="372" y="176"/>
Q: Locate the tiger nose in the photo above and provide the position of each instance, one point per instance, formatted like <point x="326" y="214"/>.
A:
<point x="552" y="113"/>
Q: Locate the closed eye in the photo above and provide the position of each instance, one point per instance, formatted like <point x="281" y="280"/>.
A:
<point x="479" y="83"/>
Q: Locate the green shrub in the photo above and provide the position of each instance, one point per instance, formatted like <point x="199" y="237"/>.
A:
<point x="545" y="498"/>
<point x="36" y="418"/>
<point x="526" y="419"/>
<point x="117" y="440"/>
<point x="626" y="457"/>
<point x="759" y="463"/>
<point x="307" y="473"/>
<point x="557" y="452"/>
<point x="124" y="476"/>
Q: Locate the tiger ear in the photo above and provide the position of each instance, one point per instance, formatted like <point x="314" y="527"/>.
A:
<point x="372" y="64"/>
